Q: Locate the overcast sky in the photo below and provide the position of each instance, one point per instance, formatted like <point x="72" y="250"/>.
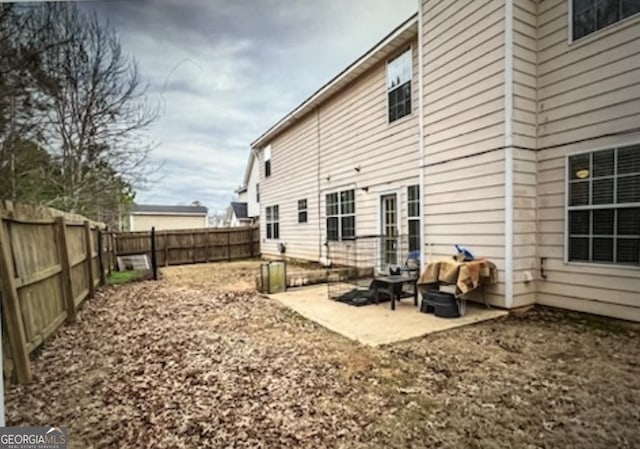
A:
<point x="226" y="70"/>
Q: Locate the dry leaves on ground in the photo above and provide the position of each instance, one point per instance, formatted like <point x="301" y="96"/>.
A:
<point x="152" y="365"/>
<point x="200" y="360"/>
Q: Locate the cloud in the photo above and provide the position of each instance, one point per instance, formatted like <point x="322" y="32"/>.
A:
<point x="223" y="71"/>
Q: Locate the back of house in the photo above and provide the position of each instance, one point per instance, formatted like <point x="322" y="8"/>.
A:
<point x="511" y="128"/>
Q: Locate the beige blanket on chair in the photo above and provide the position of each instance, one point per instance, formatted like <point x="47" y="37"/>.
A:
<point x="466" y="276"/>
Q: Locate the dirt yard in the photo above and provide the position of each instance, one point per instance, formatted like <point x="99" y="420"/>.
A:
<point x="231" y="276"/>
<point x="199" y="360"/>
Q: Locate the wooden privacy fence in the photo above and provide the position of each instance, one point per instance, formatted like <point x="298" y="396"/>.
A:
<point x="49" y="263"/>
<point x="180" y="247"/>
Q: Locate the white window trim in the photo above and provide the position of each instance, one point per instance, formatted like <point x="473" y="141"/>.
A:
<point x="597" y="33"/>
<point x="414" y="218"/>
<point x="268" y="222"/>
<point x="399" y="206"/>
<point x="386" y="88"/>
<point x="379" y="195"/>
<point x="305" y="210"/>
<point x="566" y="261"/>
<point x="266" y="158"/>
<point x="340" y="215"/>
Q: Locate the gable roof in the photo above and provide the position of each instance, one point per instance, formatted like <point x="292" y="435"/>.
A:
<point x="239" y="209"/>
<point x="377" y="53"/>
<point x="150" y="209"/>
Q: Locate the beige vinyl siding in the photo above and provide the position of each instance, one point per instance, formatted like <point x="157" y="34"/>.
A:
<point x="464" y="131"/>
<point x="586" y="89"/>
<point x="294" y="156"/>
<point x="524" y="73"/>
<point x="606" y="290"/>
<point x="524" y="157"/>
<point x="355" y="133"/>
<point x="590" y="87"/>
<point x="463" y="78"/>
<point x="524" y="227"/>
<point x="162" y="222"/>
<point x="348" y="130"/>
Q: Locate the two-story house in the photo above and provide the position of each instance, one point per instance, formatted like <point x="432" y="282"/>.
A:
<point x="511" y="127"/>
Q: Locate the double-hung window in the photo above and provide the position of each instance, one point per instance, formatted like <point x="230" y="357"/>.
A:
<point x="589" y="16"/>
<point x="399" y="73"/>
<point x="341" y="215"/>
<point x="273" y="223"/>
<point x="302" y="211"/>
<point x="604" y="206"/>
<point x="413" y="214"/>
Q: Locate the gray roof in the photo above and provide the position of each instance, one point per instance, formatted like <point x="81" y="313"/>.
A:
<point x="239" y="209"/>
<point x="161" y="209"/>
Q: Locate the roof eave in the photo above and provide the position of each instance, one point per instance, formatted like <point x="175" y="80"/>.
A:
<point x="347" y="75"/>
<point x="186" y="214"/>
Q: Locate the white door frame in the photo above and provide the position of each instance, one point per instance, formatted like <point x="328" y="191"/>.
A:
<point x="398" y="194"/>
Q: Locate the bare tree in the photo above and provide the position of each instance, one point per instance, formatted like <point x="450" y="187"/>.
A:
<point x="99" y="112"/>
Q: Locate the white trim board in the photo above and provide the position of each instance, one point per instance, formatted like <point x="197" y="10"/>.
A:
<point x="508" y="155"/>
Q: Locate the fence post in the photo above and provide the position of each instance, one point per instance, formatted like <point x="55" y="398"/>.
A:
<point x="255" y="238"/>
<point x="229" y="244"/>
<point x="89" y="244"/>
<point x="107" y="236"/>
<point x="250" y="232"/>
<point x="194" y="247"/>
<point x="67" y="287"/>
<point x="207" y="247"/>
<point x="11" y="310"/>
<point x="154" y="260"/>
<point x="103" y="277"/>
<point x="166" y="251"/>
<point x="114" y="251"/>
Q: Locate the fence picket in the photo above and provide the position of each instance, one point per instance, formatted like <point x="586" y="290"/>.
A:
<point x="192" y="245"/>
<point x="12" y="314"/>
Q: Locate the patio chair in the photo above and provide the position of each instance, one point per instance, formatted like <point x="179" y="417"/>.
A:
<point x="412" y="264"/>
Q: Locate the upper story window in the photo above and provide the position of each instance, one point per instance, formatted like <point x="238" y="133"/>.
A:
<point x="604" y="206"/>
<point x="341" y="215"/>
<point x="257" y="192"/>
<point x="592" y="15"/>
<point x="399" y="72"/>
<point x="267" y="161"/>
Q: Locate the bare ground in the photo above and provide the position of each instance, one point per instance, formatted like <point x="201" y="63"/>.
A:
<point x="200" y="360"/>
<point x="231" y="276"/>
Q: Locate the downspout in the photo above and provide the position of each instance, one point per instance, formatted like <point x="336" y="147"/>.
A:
<point x="318" y="184"/>
<point x="508" y="156"/>
<point x="421" y="131"/>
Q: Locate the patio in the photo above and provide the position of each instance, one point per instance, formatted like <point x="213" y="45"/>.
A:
<point x="376" y="325"/>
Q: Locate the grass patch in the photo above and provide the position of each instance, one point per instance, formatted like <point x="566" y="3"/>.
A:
<point x="123" y="277"/>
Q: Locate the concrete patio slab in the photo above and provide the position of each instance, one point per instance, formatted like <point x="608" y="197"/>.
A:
<point x="376" y="325"/>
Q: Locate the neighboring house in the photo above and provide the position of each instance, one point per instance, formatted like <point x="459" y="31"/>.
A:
<point x="237" y="215"/>
<point x="509" y="127"/>
<point x="145" y="216"/>
<point x="217" y="220"/>
<point x="249" y="191"/>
